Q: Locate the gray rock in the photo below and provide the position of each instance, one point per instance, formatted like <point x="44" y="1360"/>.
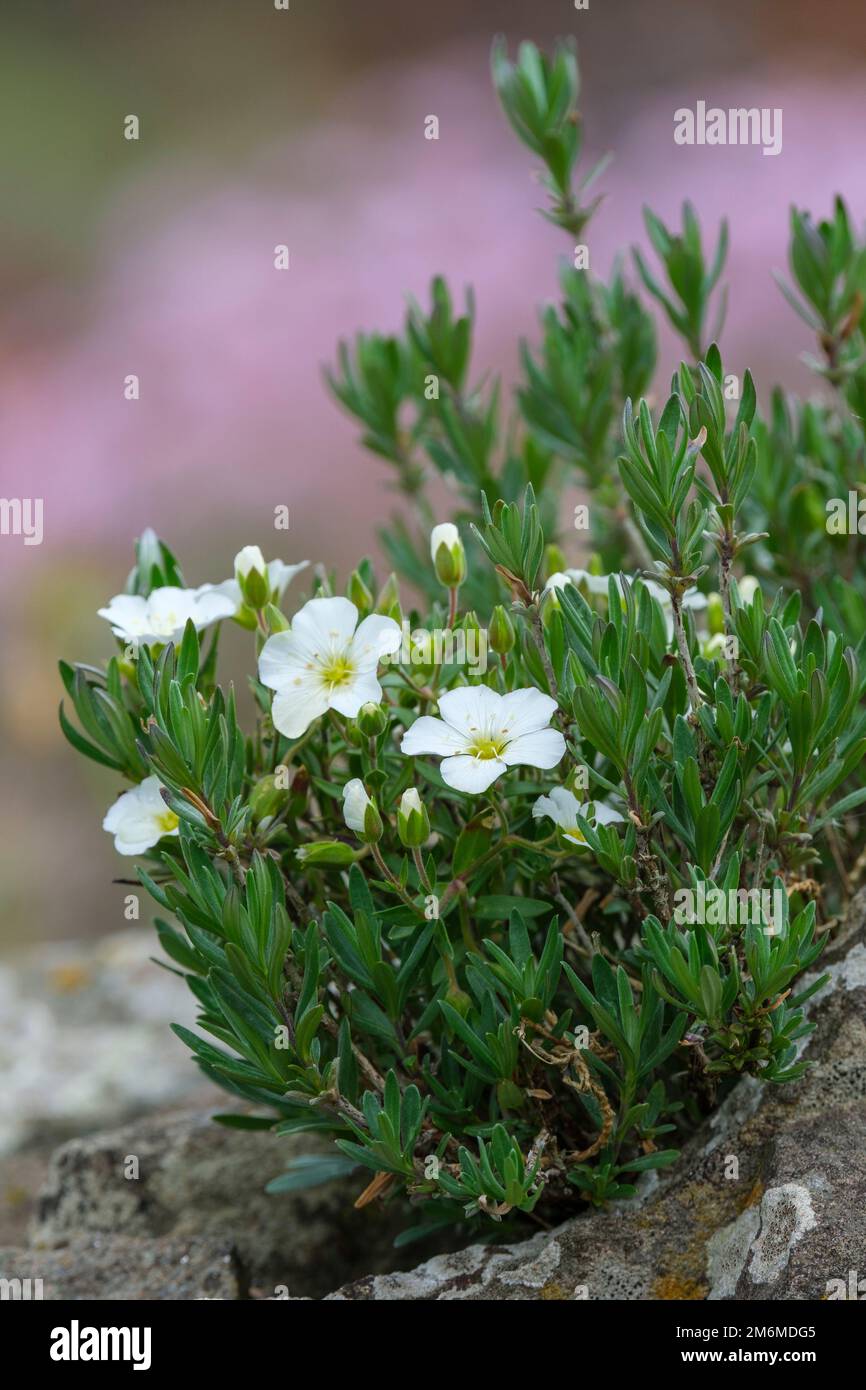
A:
<point x="85" y="1039"/>
<point x="767" y="1202"/>
<point x="182" y="1177"/>
<point x="116" y="1267"/>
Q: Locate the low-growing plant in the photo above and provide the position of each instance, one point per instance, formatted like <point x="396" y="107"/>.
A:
<point x="501" y="903"/>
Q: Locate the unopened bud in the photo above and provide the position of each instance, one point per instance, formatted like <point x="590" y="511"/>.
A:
<point x="388" y="599"/>
<point x="276" y="619"/>
<point x="327" y="852"/>
<point x="266" y="798"/>
<point x="360" y="594"/>
<point x="372" y="719"/>
<point x="361" y="813"/>
<point x="449" y="557"/>
<point x="413" y="822"/>
<point x="501" y="633"/>
<point x="251" y="573"/>
<point x="715" y="614"/>
<point x="554" y="560"/>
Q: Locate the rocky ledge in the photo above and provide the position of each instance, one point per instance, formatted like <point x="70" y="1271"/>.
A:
<point x="767" y="1202"/>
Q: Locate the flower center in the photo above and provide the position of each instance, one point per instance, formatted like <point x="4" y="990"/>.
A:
<point x="163" y="623"/>
<point x="336" y="671"/>
<point x="487" y="748"/>
<point x="167" y="821"/>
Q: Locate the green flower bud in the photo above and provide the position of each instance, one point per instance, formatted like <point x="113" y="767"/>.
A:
<point x="388" y="599"/>
<point x="554" y="560"/>
<point x="361" y="813"/>
<point x="360" y="594"/>
<point x="509" y="1095"/>
<point x="251" y="572"/>
<point x="327" y="852"/>
<point x="459" y="1000"/>
<point x="267" y="798"/>
<point x="276" y="619"/>
<point x="501" y="633"/>
<point x="449" y="557"/>
<point x="715" y="614"/>
<point x="372" y="719"/>
<point x="354" y="735"/>
<point x="246" y="617"/>
<point x="413" y="822"/>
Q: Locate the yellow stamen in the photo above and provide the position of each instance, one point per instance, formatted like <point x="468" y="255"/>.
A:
<point x="487" y="748"/>
<point x="337" y="671"/>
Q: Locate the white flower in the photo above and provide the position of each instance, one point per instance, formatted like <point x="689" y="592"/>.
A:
<point x="597" y="584"/>
<point x="162" y="616"/>
<point x="692" y="598"/>
<point x="139" y="818"/>
<point x="481" y="734"/>
<point x="278" y="574"/>
<point x="355" y="803"/>
<point x="323" y="663"/>
<point x="563" y="807"/>
<point x="593" y="583"/>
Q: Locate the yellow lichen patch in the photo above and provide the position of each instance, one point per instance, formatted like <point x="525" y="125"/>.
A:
<point x="553" y="1291"/>
<point x="669" y="1286"/>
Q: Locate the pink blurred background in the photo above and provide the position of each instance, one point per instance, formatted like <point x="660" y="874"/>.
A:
<point x="306" y="127"/>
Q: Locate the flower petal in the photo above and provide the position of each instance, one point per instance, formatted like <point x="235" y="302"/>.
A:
<point x="541" y="749"/>
<point x="471" y="709"/>
<point x="229" y="588"/>
<point x="377" y="636"/>
<point x="693" y="598"/>
<point x="294" y="708"/>
<point x="355" y="803"/>
<point x="525" y="711"/>
<point x="283" y="661"/>
<point x="468" y="774"/>
<point x="562" y="806"/>
<point x="576" y="839"/>
<point x="212" y="608"/>
<point x="326" y="622"/>
<point x="281" y="575"/>
<point x="429" y="735"/>
<point x="348" y="699"/>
